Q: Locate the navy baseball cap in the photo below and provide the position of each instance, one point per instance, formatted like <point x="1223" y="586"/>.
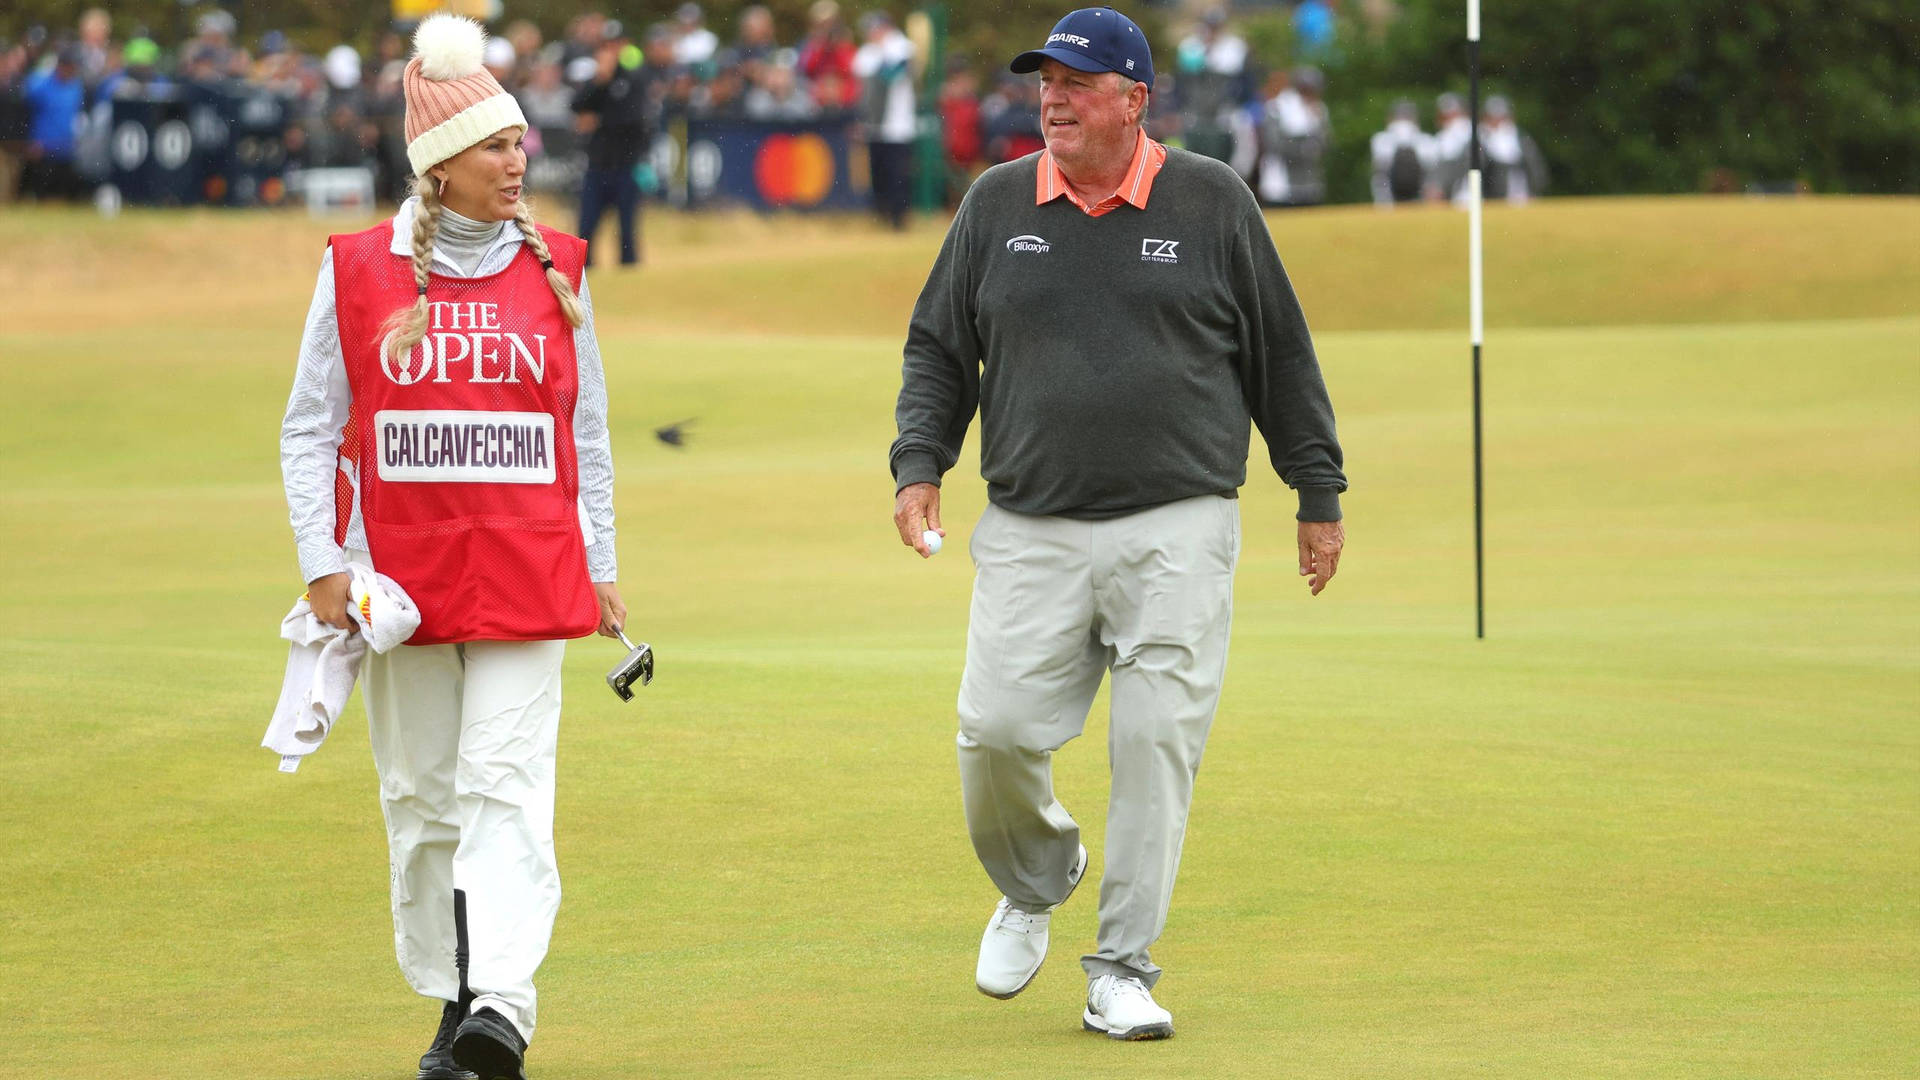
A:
<point x="1094" y="39"/>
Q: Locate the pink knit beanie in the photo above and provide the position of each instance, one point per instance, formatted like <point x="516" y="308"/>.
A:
<point x="453" y="101"/>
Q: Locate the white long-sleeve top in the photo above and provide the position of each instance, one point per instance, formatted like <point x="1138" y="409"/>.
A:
<point x="317" y="410"/>
<point x="1385" y="144"/>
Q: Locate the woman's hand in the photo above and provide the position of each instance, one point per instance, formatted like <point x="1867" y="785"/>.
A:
<point x="328" y="596"/>
<point x="613" y="613"/>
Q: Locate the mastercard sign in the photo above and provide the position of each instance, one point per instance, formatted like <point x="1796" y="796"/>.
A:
<point x="794" y="170"/>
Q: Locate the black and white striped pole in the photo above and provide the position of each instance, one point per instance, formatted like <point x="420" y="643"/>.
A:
<point x="1474" y="299"/>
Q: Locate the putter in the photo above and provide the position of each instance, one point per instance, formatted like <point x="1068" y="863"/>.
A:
<point x="637" y="667"/>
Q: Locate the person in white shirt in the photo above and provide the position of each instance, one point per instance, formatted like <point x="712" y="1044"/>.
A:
<point x="884" y="66"/>
<point x="696" y="44"/>
<point x="1294" y="135"/>
<point x="1515" y="169"/>
<point x="1453" y="131"/>
<point x="1404" y="158"/>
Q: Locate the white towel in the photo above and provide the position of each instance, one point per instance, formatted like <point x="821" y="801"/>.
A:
<point x="323" y="661"/>
<point x="382" y="609"/>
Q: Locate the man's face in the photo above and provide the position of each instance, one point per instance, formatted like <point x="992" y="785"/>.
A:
<point x="1088" y="118"/>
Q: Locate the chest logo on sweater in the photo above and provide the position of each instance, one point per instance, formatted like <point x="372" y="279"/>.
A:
<point x="1161" y="251"/>
<point x="1027" y="242"/>
<point x="464" y="343"/>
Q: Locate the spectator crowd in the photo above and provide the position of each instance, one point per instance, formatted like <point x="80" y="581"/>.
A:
<point x="601" y="95"/>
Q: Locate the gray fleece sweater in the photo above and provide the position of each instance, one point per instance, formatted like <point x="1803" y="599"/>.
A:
<point x="1115" y="361"/>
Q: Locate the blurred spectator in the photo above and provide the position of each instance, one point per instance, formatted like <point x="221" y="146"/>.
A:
<point x="342" y="67"/>
<point x="278" y="68"/>
<point x="668" y="86"/>
<point x="1010" y="118"/>
<point x="1378" y="15"/>
<point x="887" y="118"/>
<point x="343" y="138"/>
<point x="500" y="60"/>
<point x="14" y="118"/>
<point x="337" y="143"/>
<point x="1404" y="158"/>
<point x="826" y="58"/>
<point x="139" y="74"/>
<point x="960" y="124"/>
<point x="696" y="44"/>
<point x="1453" y="132"/>
<point x="583" y="40"/>
<point x="1313" y="29"/>
<point x="213" y="39"/>
<point x="554" y="159"/>
<point x="755" y="46"/>
<point x="720" y="86"/>
<point x="779" y="95"/>
<point x="136" y="77"/>
<point x="1514" y="168"/>
<point x="1210" y="85"/>
<point x="54" y="95"/>
<point x="525" y="38"/>
<point x="545" y="96"/>
<point x="1295" y="132"/>
<point x="1213" y="47"/>
<point x="612" y="114"/>
<point x="386" y="111"/>
<point x="96" y="46"/>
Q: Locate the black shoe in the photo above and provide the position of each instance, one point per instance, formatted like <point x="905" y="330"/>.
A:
<point x="437" y="1062"/>
<point x="488" y="1044"/>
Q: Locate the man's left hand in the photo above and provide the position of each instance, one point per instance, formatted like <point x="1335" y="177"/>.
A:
<point x="1320" y="544"/>
<point x="613" y="613"/>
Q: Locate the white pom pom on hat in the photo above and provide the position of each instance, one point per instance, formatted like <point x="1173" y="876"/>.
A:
<point x="449" y="46"/>
<point x="453" y="101"/>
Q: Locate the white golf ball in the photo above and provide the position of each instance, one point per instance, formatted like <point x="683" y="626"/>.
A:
<point x="932" y="540"/>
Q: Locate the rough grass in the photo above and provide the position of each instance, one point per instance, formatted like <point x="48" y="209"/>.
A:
<point x="1661" y="823"/>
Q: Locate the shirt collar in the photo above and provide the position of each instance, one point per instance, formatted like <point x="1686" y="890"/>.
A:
<point x="401" y="242"/>
<point x="1148" y="156"/>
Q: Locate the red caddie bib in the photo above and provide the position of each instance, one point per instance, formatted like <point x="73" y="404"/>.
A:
<point x="464" y="447"/>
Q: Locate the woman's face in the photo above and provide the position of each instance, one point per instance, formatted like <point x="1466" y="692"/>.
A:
<point x="483" y="181"/>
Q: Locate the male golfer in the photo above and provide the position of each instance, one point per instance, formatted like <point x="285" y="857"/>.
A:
<point x="1116" y="312"/>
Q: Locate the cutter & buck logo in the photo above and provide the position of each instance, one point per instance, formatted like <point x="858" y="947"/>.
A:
<point x="1162" y="251"/>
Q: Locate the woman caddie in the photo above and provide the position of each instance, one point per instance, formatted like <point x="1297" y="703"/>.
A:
<point x="448" y="427"/>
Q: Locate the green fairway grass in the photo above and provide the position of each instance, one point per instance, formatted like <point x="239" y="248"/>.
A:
<point x="1663" y="822"/>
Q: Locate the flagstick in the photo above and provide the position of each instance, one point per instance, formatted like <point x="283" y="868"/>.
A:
<point x="1475" y="302"/>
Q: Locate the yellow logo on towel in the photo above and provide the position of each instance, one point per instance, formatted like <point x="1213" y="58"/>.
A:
<point x="366" y="608"/>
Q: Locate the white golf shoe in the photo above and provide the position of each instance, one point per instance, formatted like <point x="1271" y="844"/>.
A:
<point x="1016" y="942"/>
<point x="1122" y="1007"/>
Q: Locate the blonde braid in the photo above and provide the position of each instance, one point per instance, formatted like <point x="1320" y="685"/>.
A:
<point x="409" y="324"/>
<point x="563" y="292"/>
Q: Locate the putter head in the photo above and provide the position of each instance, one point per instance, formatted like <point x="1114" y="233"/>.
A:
<point x="637" y="667"/>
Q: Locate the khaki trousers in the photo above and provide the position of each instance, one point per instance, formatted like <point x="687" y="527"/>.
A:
<point x="1058" y="603"/>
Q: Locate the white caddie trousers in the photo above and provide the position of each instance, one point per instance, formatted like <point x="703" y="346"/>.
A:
<point x="464" y="739"/>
